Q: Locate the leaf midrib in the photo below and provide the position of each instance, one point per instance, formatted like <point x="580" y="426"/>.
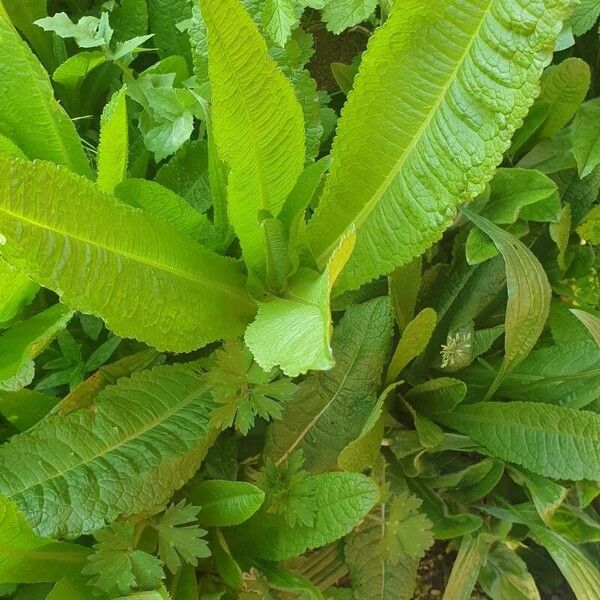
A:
<point x="304" y="432"/>
<point x="157" y="422"/>
<point x="372" y="202"/>
<point x="186" y="276"/>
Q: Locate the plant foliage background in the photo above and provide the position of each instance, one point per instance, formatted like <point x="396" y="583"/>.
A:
<point x="299" y="299"/>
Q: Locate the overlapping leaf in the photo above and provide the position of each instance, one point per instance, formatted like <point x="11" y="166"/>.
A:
<point x="257" y="120"/>
<point x="28" y="107"/>
<point x="144" y="438"/>
<point x="141" y="276"/>
<point x="446" y="113"/>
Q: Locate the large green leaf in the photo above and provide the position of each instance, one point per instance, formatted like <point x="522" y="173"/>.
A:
<point x="445" y="113"/>
<point x="258" y="123"/>
<point x="549" y="440"/>
<point x="145" y="437"/>
<point x="330" y="409"/>
<point x="586" y="137"/>
<point x="341" y="501"/>
<point x="23" y="14"/>
<point x="164" y="16"/>
<point x="27" y="558"/>
<point x="29" y="114"/>
<point x="141" y="276"/>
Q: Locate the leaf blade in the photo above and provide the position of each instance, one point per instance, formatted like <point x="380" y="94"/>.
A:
<point x="148" y="274"/>
<point x="398" y="211"/>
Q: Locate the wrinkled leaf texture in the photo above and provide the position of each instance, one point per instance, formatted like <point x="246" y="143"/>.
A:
<point x="439" y="93"/>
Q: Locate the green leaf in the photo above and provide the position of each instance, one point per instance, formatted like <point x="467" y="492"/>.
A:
<point x="28" y="107"/>
<point x="130" y="19"/>
<point x="522" y="432"/>
<point x="167" y="206"/>
<point x="257" y="121"/>
<point x="26" y="340"/>
<point x="224" y="503"/>
<point x="584" y="16"/>
<point x="437" y="396"/>
<point x="547" y="496"/>
<point x="591" y="322"/>
<point x="227" y="567"/>
<point x="341" y="500"/>
<point x="288" y="581"/>
<point x="383" y="552"/>
<point x="25" y="407"/>
<point x="187" y="175"/>
<point x="585" y="135"/>
<point x="278" y="18"/>
<point x="150" y="276"/>
<point x="445" y="525"/>
<point x="145" y="437"/>
<point x="504" y="575"/>
<point x="330" y="409"/>
<point x="167" y="121"/>
<point x="16" y="292"/>
<point x="117" y="566"/>
<point x="27" y="558"/>
<point x="289" y="490"/>
<point x="341" y="14"/>
<point x="472" y="555"/>
<point x="529" y="296"/>
<point x="113" y="148"/>
<point x="362" y="452"/>
<point x="408" y="531"/>
<point x="243" y="390"/>
<point x="404" y="285"/>
<point x="293" y="331"/>
<point x="521" y="193"/>
<point x="179" y="537"/>
<point x="71" y="589"/>
<point x="88" y="32"/>
<point x="164" y="16"/>
<point x="560" y="232"/>
<point x="129" y="46"/>
<point x="564" y="87"/>
<point x="23" y="14"/>
<point x="382" y="178"/>
<point x="414" y="340"/>
<point x="589" y="230"/>
<point x="85" y="393"/>
<point x="577" y="567"/>
<point x="72" y="73"/>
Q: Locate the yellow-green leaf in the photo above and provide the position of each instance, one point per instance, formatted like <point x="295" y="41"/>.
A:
<point x="435" y="103"/>
<point x="141" y="276"/>
<point x="258" y="123"/>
